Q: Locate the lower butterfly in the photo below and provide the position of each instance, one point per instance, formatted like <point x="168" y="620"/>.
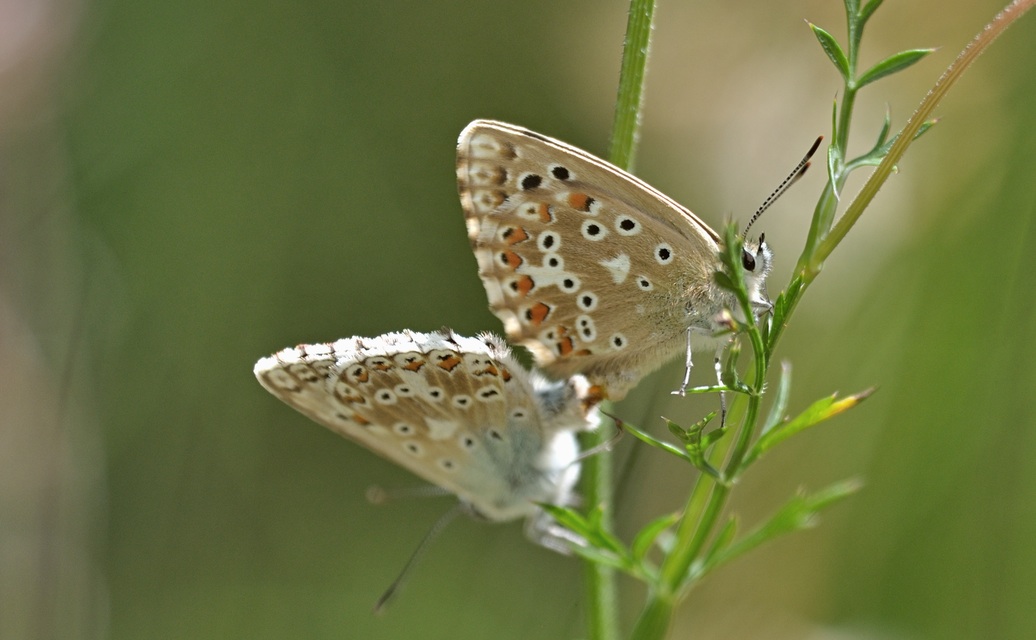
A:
<point x="459" y="412"/>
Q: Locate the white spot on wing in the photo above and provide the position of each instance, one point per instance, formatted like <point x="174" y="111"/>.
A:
<point x="440" y="429"/>
<point x="618" y="267"/>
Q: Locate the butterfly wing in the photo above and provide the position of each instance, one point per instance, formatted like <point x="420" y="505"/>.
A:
<point x="590" y="267"/>
<point x="459" y="412"/>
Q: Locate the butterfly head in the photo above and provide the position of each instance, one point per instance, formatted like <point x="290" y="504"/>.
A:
<point x="757" y="260"/>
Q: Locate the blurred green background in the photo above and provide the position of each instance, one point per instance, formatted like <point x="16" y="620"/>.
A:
<point x="188" y="186"/>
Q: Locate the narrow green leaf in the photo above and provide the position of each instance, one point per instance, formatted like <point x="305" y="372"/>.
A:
<point x="568" y="518"/>
<point x="599" y="556"/>
<point x="833" y="493"/>
<point x="676" y="430"/>
<point x="646" y="537"/>
<point x="833" y="161"/>
<point x="664" y="446"/>
<point x="892" y="64"/>
<point x="724" y="281"/>
<point x="693" y="433"/>
<point x="834" y="124"/>
<point x="816" y="413"/>
<point x="595" y="517"/>
<point x="874" y="157"/>
<point x="885" y="127"/>
<point x="798" y="513"/>
<point x="696" y="449"/>
<point x="868" y="11"/>
<point x="833" y="50"/>
<point x="781" y="306"/>
<point x="601" y="537"/>
<point x="713" y="436"/>
<point x="925" y="126"/>
<point x="591" y="531"/>
<point x="730" y="256"/>
<point x="780" y="401"/>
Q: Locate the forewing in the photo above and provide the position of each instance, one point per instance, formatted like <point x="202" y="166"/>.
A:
<point x="585" y="264"/>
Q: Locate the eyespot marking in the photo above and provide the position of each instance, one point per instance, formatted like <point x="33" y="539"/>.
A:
<point x="587" y="300"/>
<point x="627" y="226"/>
<point x="593" y="230"/>
<point x="548" y="241"/>
<point x="530" y="181"/>
<point x="663" y="253"/>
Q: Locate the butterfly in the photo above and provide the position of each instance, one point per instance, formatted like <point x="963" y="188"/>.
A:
<point x="459" y="412"/>
<point x="595" y="271"/>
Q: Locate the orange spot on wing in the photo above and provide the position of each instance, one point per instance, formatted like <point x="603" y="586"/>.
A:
<point x="505" y="374"/>
<point x="490" y="370"/>
<point x="381" y="366"/>
<point x="524" y="285"/>
<point x="448" y="362"/>
<point x="545" y="215"/>
<point x="511" y="259"/>
<point x="358" y="419"/>
<point x="514" y="235"/>
<point x="565" y="346"/>
<point x="537" y="313"/>
<point x="414" y="365"/>
<point x="580" y="201"/>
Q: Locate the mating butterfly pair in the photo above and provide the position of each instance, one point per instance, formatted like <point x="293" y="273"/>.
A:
<point x="600" y="275"/>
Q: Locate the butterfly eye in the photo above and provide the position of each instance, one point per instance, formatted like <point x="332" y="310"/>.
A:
<point x="747" y="260"/>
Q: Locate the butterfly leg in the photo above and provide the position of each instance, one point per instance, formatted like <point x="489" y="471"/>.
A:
<point x="718" y="364"/>
<point x="682" y="391"/>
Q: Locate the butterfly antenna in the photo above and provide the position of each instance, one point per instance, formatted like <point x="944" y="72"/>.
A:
<point x="792" y="178"/>
<point x="433" y="533"/>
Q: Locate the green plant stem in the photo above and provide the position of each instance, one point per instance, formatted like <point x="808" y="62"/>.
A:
<point x="709" y="495"/>
<point x="980" y="43"/>
<point x="599" y="583"/>
<point x="601" y="588"/>
<point x="630" y="99"/>
<point x="845" y="117"/>
<point x="655" y="618"/>
<point x="820" y="242"/>
<point x="701" y="515"/>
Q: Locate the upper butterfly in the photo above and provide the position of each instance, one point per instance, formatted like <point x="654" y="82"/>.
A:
<point x="594" y="270"/>
<point x="461" y="413"/>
